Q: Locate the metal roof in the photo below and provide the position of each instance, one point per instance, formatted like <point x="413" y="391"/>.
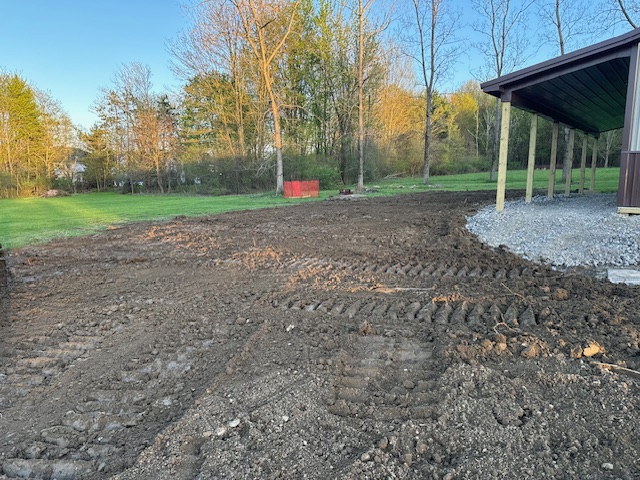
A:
<point x="585" y="89"/>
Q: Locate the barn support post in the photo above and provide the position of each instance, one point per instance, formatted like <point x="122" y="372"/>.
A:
<point x="583" y="162"/>
<point x="594" y="160"/>
<point x="504" y="152"/>
<point x="572" y="141"/>
<point x="552" y="162"/>
<point x="532" y="156"/>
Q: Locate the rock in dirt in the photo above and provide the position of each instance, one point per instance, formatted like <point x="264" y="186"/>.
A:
<point x="530" y="351"/>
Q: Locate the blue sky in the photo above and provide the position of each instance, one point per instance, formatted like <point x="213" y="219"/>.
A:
<point x="71" y="48"/>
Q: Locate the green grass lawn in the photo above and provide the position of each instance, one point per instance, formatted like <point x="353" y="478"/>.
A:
<point x="606" y="181"/>
<point x="28" y="221"/>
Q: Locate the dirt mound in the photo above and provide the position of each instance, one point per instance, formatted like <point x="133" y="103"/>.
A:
<point x="375" y="338"/>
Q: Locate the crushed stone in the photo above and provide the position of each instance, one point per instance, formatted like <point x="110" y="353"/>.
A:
<point x="574" y="231"/>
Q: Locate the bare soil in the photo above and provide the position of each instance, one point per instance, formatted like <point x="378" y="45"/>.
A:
<point x="363" y="338"/>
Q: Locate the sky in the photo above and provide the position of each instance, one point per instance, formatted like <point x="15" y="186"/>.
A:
<point x="72" y="48"/>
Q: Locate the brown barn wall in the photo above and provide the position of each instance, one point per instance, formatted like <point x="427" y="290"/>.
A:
<point x="629" y="185"/>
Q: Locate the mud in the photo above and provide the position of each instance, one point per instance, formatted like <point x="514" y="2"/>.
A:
<point x="364" y="338"/>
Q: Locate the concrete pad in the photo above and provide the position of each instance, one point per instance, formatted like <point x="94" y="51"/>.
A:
<point x="630" y="276"/>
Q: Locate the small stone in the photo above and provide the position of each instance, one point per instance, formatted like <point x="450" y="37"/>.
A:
<point x="408" y="459"/>
<point x="528" y="318"/>
<point x="207" y="434"/>
<point x="560" y="294"/>
<point x="229" y="371"/>
<point x="607" y="466"/>
<point x="408" y="384"/>
<point x="220" y="431"/>
<point x="575" y="351"/>
<point x="530" y="351"/>
<point x="487" y="345"/>
<point x="421" y="448"/>
<point x="285" y="418"/>
<point x="366" y="328"/>
<point x="241" y="321"/>
<point x="499" y="338"/>
<point x="501" y="347"/>
<point x="384" y="443"/>
<point x="594" y="348"/>
<point x="290" y="327"/>
<point x="365" y="457"/>
<point x="234" y="423"/>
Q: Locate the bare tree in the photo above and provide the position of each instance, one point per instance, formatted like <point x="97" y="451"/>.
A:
<point x="140" y="122"/>
<point x="436" y="50"/>
<point x="611" y="138"/>
<point x="628" y="10"/>
<point x="210" y="53"/>
<point x="567" y="24"/>
<point x="363" y="7"/>
<point x="504" y="45"/>
<point x="367" y="36"/>
<point x="266" y="26"/>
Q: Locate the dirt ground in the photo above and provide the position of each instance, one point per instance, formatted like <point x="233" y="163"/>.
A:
<point x="351" y="339"/>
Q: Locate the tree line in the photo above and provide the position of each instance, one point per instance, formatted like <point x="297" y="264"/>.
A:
<point x="344" y="91"/>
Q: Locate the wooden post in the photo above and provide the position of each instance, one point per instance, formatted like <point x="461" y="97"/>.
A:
<point x="532" y="156"/>
<point x="552" y="163"/>
<point x="594" y="159"/>
<point x="583" y="162"/>
<point x="502" y="159"/>
<point x="572" y="141"/>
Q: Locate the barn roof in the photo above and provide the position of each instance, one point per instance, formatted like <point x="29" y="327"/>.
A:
<point x="585" y="89"/>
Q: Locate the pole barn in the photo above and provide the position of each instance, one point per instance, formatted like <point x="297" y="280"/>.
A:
<point x="594" y="89"/>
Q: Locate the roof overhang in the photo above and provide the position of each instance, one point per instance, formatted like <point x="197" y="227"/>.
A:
<point x="585" y="89"/>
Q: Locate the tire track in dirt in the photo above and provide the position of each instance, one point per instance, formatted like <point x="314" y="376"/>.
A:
<point x="325" y="267"/>
<point x="110" y="416"/>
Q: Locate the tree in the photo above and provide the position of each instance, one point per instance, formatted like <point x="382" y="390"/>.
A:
<point x="366" y="41"/>
<point x="21" y="136"/>
<point x="141" y="125"/>
<point x="566" y="23"/>
<point x="503" y="27"/>
<point x="334" y="98"/>
<point x="467" y="106"/>
<point x="267" y="25"/>
<point x="436" y="51"/>
<point x="363" y="7"/>
<point x="59" y="139"/>
<point x="629" y="10"/>
<point x="99" y="158"/>
<point x="399" y="115"/>
<point x="612" y="140"/>
<point x="213" y="60"/>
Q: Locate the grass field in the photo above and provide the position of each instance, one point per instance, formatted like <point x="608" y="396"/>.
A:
<point x="27" y="221"/>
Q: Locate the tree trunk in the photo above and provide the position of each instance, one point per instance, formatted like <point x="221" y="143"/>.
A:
<point x="159" y="176"/>
<point x="361" y="98"/>
<point x="277" y="137"/>
<point x="427" y="140"/>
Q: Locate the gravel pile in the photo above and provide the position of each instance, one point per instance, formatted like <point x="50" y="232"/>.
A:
<point x="580" y="230"/>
